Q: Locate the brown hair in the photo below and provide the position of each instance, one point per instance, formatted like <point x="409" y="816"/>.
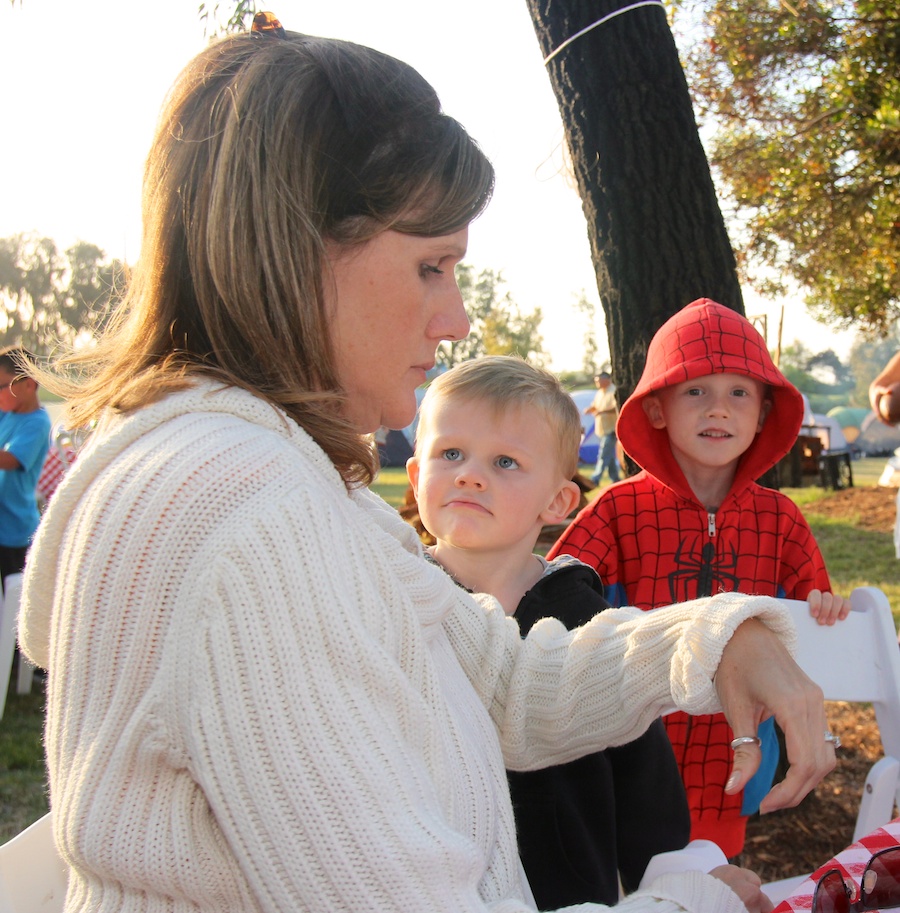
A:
<point x="504" y="381"/>
<point x="266" y="149"/>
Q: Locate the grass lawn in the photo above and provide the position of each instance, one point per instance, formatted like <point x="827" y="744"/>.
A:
<point x="855" y="557"/>
<point x="391" y="484"/>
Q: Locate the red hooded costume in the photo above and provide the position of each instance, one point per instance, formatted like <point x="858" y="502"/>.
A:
<point x="654" y="544"/>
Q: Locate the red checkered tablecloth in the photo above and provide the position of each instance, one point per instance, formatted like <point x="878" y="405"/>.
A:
<point x="851" y="862"/>
<point x="55" y="465"/>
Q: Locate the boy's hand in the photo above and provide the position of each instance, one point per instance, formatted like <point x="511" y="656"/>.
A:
<point x="827" y="608"/>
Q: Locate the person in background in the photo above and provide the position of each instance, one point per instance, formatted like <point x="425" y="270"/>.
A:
<point x="710" y="414"/>
<point x="24" y="442"/>
<point x="878" y="388"/>
<point x="605" y="411"/>
<point x="260" y="697"/>
<point x="496" y="448"/>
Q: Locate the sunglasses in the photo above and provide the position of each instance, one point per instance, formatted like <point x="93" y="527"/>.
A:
<point x="879" y="887"/>
<point x="8" y="386"/>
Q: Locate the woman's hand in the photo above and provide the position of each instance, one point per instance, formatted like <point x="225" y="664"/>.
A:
<point x="746" y="885"/>
<point x="757" y="679"/>
<point x="827" y="608"/>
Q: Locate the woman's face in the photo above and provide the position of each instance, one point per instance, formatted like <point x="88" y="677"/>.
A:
<point x="390" y="302"/>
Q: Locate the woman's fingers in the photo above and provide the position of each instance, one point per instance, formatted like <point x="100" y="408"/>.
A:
<point x="756" y="679"/>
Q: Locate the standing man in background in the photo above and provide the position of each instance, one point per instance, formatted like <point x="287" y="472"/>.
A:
<point x="605" y="411"/>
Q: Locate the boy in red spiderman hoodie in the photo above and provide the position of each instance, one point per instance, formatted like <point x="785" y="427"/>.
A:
<point x="710" y="414"/>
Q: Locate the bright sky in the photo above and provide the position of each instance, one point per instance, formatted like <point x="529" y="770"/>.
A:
<point x="82" y="84"/>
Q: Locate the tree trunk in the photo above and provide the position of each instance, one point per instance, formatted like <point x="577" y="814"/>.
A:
<point x="657" y="235"/>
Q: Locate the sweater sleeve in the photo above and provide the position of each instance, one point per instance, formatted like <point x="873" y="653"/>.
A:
<point x="556" y="695"/>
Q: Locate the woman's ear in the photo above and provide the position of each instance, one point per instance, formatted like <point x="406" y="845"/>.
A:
<point x="412" y="473"/>
<point x="564" y="502"/>
<point x="653" y="410"/>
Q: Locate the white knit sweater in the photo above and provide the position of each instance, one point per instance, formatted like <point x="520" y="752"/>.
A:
<point x="261" y="698"/>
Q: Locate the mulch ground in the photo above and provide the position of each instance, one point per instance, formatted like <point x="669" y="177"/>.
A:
<point x="867" y="507"/>
<point x="796" y="841"/>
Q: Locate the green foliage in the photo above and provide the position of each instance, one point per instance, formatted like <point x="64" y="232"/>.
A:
<point x="48" y="298"/>
<point x="498" y="326"/>
<point x="577" y="380"/>
<point x="591" y="348"/>
<point x="240" y="14"/>
<point x="805" y="101"/>
<point x="820" y="375"/>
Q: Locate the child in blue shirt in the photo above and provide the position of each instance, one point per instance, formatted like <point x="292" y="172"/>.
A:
<point x="24" y="442"/>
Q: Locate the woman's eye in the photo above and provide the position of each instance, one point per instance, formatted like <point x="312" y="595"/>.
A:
<point x="429" y="270"/>
<point x="452" y="454"/>
<point x="506" y="462"/>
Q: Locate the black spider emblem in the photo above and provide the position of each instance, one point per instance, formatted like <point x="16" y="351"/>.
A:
<point x="704" y="568"/>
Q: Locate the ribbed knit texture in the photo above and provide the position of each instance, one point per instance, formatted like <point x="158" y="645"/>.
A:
<point x="261" y="698"/>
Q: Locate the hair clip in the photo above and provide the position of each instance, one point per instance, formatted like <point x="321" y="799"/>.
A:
<point x="265" y="25"/>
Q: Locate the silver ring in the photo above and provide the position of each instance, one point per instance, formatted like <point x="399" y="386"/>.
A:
<point x="831" y="737"/>
<point x="745" y="740"/>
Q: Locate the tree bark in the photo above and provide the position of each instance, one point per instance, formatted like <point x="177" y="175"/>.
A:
<point x="657" y="236"/>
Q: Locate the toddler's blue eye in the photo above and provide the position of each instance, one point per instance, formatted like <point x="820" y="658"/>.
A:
<point x="453" y="454"/>
<point x="506" y="462"/>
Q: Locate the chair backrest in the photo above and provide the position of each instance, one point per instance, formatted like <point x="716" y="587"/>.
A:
<point x="33" y="878"/>
<point x="9" y="616"/>
<point x="857" y="659"/>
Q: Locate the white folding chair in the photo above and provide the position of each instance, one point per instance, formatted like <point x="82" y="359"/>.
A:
<point x="9" y="614"/>
<point x="33" y="878"/>
<point x="857" y="660"/>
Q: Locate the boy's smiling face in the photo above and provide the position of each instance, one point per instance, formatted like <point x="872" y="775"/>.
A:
<point x="486" y="479"/>
<point x="711" y="421"/>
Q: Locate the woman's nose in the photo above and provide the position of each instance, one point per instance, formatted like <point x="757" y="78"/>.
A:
<point x="451" y="321"/>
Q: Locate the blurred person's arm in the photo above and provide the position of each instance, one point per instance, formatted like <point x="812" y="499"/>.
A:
<point x="881" y="384"/>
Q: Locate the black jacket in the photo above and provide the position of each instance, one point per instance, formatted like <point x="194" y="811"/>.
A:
<point x="583" y="824"/>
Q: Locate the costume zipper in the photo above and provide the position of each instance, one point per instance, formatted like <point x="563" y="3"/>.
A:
<point x="707" y="559"/>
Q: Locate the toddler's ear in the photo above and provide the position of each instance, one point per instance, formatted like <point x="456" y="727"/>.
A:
<point x="653" y="410"/>
<point x="563" y="503"/>
<point x="412" y="473"/>
<point x="763" y="413"/>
